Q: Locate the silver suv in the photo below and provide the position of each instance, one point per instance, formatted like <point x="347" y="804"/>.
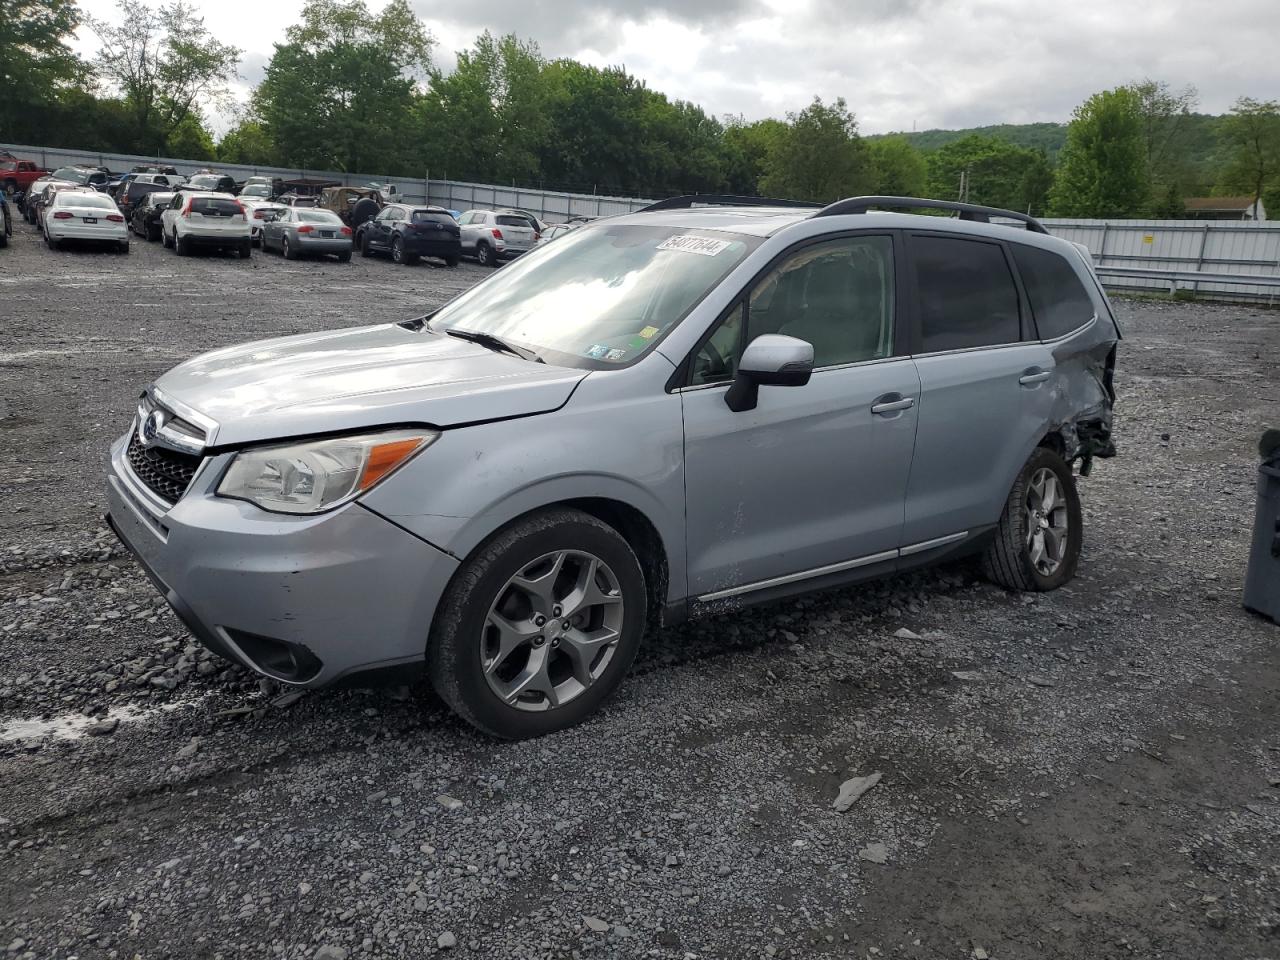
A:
<point x="658" y="416"/>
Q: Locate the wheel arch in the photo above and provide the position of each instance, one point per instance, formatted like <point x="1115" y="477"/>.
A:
<point x="629" y="521"/>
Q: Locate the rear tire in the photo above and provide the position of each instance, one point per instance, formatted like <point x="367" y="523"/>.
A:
<point x="463" y="635"/>
<point x="153" y="233"/>
<point x="450" y="261"/>
<point x="1037" y="549"/>
<point x="181" y="245"/>
<point x="123" y="246"/>
<point x="246" y="248"/>
<point x="485" y="255"/>
<point x="364" y="246"/>
<point x="397" y="251"/>
<point x="289" y="252"/>
<point x="344" y="257"/>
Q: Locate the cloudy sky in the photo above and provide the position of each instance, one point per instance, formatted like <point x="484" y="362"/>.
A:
<point x="899" y="63"/>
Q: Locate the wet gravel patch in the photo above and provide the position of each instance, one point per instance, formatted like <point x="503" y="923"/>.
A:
<point x="1091" y="773"/>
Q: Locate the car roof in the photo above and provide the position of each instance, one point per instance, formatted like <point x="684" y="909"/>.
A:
<point x="767" y="221"/>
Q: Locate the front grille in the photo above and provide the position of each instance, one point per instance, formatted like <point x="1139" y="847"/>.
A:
<point x="166" y="473"/>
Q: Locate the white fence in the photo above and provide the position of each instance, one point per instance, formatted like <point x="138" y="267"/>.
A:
<point x="1238" y="248"/>
<point x="1234" y="247"/>
<point x="451" y="194"/>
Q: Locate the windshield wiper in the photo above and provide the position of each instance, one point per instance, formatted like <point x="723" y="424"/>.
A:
<point x="495" y="343"/>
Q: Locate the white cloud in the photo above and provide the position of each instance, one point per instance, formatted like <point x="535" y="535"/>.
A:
<point x="898" y="63"/>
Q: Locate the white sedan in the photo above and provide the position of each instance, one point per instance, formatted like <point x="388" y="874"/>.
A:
<point x="85" y="215"/>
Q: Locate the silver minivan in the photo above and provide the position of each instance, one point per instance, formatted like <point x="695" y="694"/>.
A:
<point x="662" y="415"/>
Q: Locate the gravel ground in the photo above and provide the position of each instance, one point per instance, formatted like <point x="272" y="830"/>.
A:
<point x="1092" y="773"/>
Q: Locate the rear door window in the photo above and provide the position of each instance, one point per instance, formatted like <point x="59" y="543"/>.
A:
<point x="966" y="294"/>
<point x="215" y="207"/>
<point x="1059" y="301"/>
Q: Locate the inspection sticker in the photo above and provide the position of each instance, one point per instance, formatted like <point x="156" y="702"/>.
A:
<point x="597" y="351"/>
<point x="648" y="332"/>
<point x="617" y="353"/>
<point x="699" y="245"/>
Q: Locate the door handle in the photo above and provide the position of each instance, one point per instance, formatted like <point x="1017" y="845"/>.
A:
<point x="1031" y="379"/>
<point x="886" y="405"/>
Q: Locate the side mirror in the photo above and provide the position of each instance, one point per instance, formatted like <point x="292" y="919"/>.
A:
<point x="770" y="360"/>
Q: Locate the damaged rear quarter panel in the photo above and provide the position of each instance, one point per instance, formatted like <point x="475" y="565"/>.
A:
<point x="1084" y="391"/>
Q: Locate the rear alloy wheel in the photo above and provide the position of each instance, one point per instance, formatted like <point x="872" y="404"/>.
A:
<point x="287" y="249"/>
<point x="181" y="245"/>
<point x="539" y="626"/>
<point x="1038" y="539"/>
<point x="485" y="254"/>
<point x="397" y="251"/>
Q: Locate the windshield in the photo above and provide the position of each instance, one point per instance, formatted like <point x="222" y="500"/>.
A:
<point x="256" y="190"/>
<point x="603" y="295"/>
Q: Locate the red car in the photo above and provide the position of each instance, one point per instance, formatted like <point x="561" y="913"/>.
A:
<point x="18" y="174"/>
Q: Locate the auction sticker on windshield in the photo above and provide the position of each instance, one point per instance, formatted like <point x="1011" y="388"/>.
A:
<point x="699" y="245"/>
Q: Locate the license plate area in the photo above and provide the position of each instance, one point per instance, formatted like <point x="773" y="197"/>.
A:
<point x="90" y="219"/>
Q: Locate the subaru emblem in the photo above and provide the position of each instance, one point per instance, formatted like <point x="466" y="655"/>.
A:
<point x="151" y="426"/>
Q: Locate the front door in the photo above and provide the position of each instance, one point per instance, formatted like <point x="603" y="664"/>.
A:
<point x="815" y="476"/>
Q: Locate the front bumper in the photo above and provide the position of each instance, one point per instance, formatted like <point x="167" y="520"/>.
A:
<point x="305" y="600"/>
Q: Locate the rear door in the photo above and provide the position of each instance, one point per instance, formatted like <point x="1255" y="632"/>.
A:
<point x="984" y="396"/>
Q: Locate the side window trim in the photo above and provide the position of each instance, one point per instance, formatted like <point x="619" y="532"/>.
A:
<point x="916" y="322"/>
<point x="683" y="375"/>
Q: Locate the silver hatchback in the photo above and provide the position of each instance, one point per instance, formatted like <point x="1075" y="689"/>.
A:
<point x="662" y="415"/>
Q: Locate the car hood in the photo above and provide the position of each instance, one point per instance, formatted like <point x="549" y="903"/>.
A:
<point x="358" y="378"/>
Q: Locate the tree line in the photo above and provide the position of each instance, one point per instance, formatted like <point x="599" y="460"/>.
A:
<point x="351" y="90"/>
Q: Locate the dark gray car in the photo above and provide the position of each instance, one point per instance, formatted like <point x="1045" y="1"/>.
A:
<point x="659" y="416"/>
<point x="307" y="232"/>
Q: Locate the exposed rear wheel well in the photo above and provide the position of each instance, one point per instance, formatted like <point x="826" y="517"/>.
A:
<point x="1053" y="441"/>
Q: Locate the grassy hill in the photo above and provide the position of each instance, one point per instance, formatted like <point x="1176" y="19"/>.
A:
<point x="1198" y="144"/>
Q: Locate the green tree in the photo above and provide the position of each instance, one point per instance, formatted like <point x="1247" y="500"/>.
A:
<point x="36" y="61"/>
<point x="746" y="149"/>
<point x="247" y="143"/>
<point x="1102" y="169"/>
<point x="190" y="140"/>
<point x="820" y="157"/>
<point x="992" y="171"/>
<point x="900" y="169"/>
<point x="1166" y="126"/>
<point x="487" y="119"/>
<point x="166" y="65"/>
<point x="1251" y="136"/>
<point x="339" y="92"/>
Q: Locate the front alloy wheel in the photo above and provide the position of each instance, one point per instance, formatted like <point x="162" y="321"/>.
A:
<point x="552" y="630"/>
<point x="539" y="625"/>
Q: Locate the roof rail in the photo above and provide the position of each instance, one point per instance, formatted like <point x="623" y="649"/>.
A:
<point x="722" y="200"/>
<point x="967" y="211"/>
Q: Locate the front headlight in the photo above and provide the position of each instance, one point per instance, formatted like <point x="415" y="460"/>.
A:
<point x="318" y="475"/>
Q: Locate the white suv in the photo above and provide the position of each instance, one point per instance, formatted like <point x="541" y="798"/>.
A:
<point x="198" y="218"/>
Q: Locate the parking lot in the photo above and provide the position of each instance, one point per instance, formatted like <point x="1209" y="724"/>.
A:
<point x="1089" y="773"/>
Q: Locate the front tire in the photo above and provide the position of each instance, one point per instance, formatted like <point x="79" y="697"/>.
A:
<point x="1037" y="544"/>
<point x="539" y="626"/>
